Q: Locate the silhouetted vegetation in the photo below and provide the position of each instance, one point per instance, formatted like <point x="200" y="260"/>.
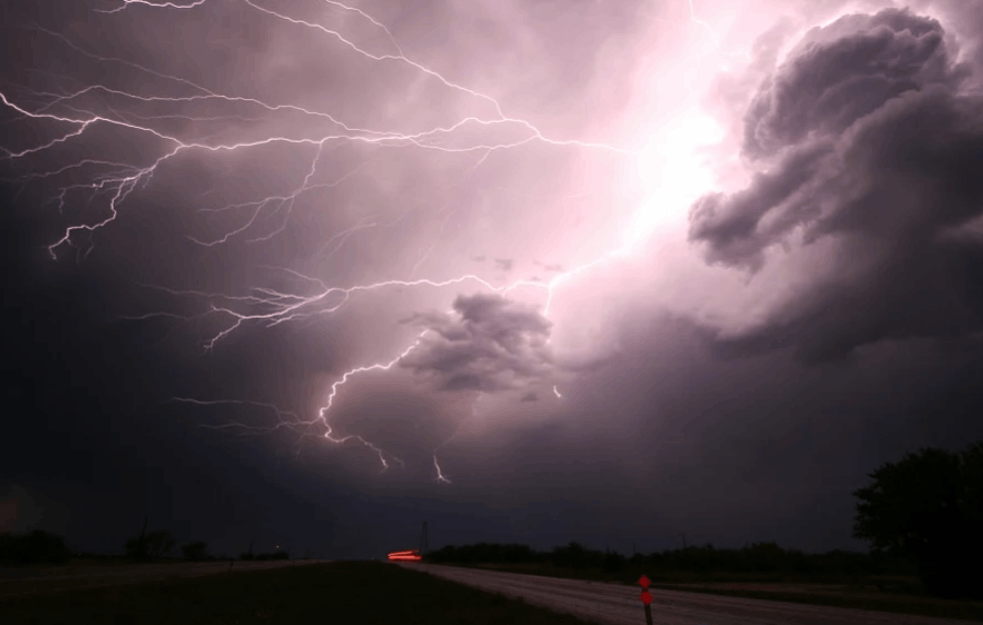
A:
<point x="35" y="547"/>
<point x="149" y="546"/>
<point x="276" y="555"/>
<point x="766" y="558"/>
<point x="196" y="552"/>
<point x="928" y="507"/>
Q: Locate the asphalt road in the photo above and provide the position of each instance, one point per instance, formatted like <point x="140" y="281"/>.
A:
<point x="618" y="604"/>
<point x="19" y="581"/>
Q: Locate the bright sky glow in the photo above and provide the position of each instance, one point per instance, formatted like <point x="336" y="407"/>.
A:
<point x="674" y="172"/>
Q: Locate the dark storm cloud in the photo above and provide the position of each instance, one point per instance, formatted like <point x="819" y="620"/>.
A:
<point x="505" y="264"/>
<point x="530" y="397"/>
<point x="843" y="72"/>
<point x="488" y="344"/>
<point x="877" y="153"/>
<point x="671" y="438"/>
<point x="733" y="224"/>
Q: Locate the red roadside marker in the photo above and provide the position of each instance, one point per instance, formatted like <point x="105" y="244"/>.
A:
<point x="646" y="598"/>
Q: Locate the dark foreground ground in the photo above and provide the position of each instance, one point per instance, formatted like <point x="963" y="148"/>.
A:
<point x="338" y="592"/>
<point x="31" y="580"/>
<point x="896" y="595"/>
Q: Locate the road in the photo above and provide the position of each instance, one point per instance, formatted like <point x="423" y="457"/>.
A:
<point x="19" y="581"/>
<point x="617" y="604"/>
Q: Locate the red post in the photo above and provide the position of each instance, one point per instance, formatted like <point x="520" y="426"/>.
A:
<point x="646" y="598"/>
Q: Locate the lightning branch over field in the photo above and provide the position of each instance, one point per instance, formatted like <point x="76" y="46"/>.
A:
<point x="69" y="114"/>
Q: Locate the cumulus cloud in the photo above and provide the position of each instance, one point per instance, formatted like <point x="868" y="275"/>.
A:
<point x="861" y="141"/>
<point x="488" y="343"/>
<point x="838" y="74"/>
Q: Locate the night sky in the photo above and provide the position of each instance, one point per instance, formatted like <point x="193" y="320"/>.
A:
<point x="308" y="273"/>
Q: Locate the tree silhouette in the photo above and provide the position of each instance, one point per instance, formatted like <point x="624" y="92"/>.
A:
<point x="194" y="551"/>
<point x="36" y="546"/>
<point x="159" y="544"/>
<point x="149" y="545"/>
<point x="928" y="507"/>
<point x="136" y="547"/>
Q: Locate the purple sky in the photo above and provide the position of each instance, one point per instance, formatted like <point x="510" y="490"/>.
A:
<point x="314" y="272"/>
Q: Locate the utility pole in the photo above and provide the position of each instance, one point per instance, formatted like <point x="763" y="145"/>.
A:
<point x="423" y="539"/>
<point x="142" y="545"/>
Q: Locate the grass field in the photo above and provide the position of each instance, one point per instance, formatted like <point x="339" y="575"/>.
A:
<point x="339" y="592"/>
<point x="899" y="595"/>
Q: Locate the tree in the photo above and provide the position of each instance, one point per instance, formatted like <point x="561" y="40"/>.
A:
<point x="36" y="546"/>
<point x="928" y="508"/>
<point x="194" y="551"/>
<point x="159" y="544"/>
<point x="149" y="545"/>
<point x="136" y="547"/>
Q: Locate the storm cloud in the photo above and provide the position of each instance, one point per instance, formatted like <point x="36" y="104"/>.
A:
<point x="486" y="344"/>
<point x="874" y="152"/>
<point x="845" y="71"/>
<point x="283" y="269"/>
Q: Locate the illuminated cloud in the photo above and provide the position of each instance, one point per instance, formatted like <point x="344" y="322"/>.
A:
<point x="487" y="344"/>
<point x="874" y="152"/>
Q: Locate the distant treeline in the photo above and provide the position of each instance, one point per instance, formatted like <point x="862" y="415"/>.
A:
<point x="278" y="555"/>
<point x="39" y="547"/>
<point x="34" y="547"/>
<point x="756" y="558"/>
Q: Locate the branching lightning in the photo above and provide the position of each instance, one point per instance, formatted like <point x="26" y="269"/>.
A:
<point x="117" y="181"/>
<point x="441" y="478"/>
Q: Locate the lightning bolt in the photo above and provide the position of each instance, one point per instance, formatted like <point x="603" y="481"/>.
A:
<point x="264" y="218"/>
<point x="441" y="478"/>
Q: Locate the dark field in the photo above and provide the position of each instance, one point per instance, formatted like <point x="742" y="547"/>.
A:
<point x="340" y="592"/>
